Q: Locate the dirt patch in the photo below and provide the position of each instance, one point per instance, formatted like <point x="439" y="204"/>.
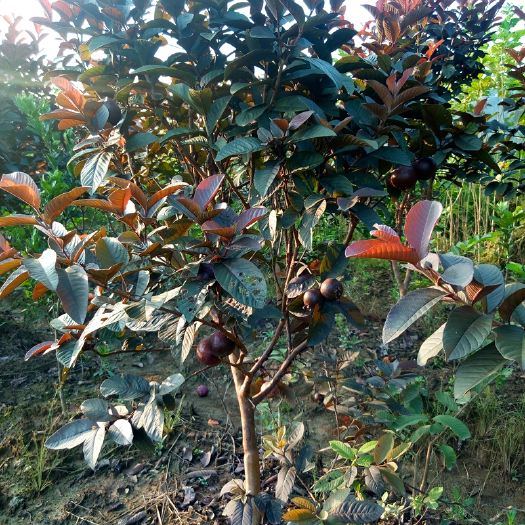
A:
<point x="160" y="487"/>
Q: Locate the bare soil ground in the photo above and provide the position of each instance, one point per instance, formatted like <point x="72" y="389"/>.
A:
<point x="156" y="486"/>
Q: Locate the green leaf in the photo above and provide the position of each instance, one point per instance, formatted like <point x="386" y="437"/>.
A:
<point x="253" y="58"/>
<point x="393" y="155"/>
<point x="171" y="383"/>
<point x="510" y="341"/>
<point x="490" y="275"/>
<point x="435" y="493"/>
<point x="465" y="331"/>
<point x="295" y="10"/>
<point x="73" y="291"/>
<point x="249" y="115"/>
<point x="358" y="512"/>
<point x="405" y="421"/>
<point x="243" y="280"/>
<point x="367" y="447"/>
<point x="343" y="450"/>
<point x="477" y="368"/>
<point x="140" y="140"/>
<point x="126" y="388"/>
<point x="447" y="400"/>
<point x="70" y="435"/>
<point x="408" y="310"/>
<point x="334" y="262"/>
<point x="103" y="40"/>
<point x="335" y="499"/>
<point x="43" y="269"/>
<point x="468" y="142"/>
<point x="431" y="347"/>
<point x="449" y="454"/>
<point x="98" y="410"/>
<point x="458" y="427"/>
<point x="121" y="432"/>
<point x="263" y="178"/>
<point x="374" y="480"/>
<point x="310" y="219"/>
<point x="393" y="480"/>
<point x="323" y="319"/>
<point x="311" y="132"/>
<point x="216" y="111"/>
<point x="95" y="170"/>
<point x="165" y="72"/>
<point x="383" y="447"/>
<point x="303" y="161"/>
<point x="262" y="32"/>
<point x="110" y="251"/>
<point x="239" y="146"/>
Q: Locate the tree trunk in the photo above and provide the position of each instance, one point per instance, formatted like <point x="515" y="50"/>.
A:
<point x="249" y="438"/>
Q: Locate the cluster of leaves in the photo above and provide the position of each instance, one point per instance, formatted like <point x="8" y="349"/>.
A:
<point x="468" y="331"/>
<point x="118" y="422"/>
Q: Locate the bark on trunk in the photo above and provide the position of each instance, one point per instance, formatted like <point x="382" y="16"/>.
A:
<point x="249" y="438"/>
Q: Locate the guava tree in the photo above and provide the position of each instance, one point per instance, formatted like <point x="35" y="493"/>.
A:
<point x="272" y="133"/>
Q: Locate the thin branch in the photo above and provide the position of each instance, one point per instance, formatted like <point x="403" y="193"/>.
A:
<point x="282" y="370"/>
<point x="268" y="351"/>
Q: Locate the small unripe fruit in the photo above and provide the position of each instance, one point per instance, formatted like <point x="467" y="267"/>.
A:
<point x="204" y="353"/>
<point x="425" y="168"/>
<point x="274" y="392"/>
<point x="205" y="272"/>
<point x="404" y="178"/>
<point x="202" y="391"/>
<point x="312" y="297"/>
<point x="332" y="289"/>
<point x="221" y="345"/>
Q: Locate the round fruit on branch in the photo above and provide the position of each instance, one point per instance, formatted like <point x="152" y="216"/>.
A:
<point x="425" y="168"/>
<point x="312" y="297"/>
<point x="221" y="345"/>
<point x="205" y="354"/>
<point x="403" y="178"/>
<point x="332" y="289"/>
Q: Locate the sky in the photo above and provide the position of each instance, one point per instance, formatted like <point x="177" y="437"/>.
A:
<point x="356" y="14"/>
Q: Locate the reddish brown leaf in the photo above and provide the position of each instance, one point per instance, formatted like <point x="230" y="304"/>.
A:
<point x="114" y="13"/>
<point x="120" y="198"/>
<point x="190" y="205"/>
<point x="207" y="190"/>
<point x="480" y="106"/>
<point x="99" y="204"/>
<point x="17" y="220"/>
<point x="136" y="192"/>
<point x="63" y="9"/>
<point x="169" y="190"/>
<point x="14" y="281"/>
<point x="62" y="114"/>
<point x="420" y="223"/>
<point x="4" y="245"/>
<point x="62" y="84"/>
<point x="217" y="229"/>
<point x="57" y="205"/>
<point x="69" y="123"/>
<point x="250" y="216"/>
<point x="385" y="233"/>
<point x="510" y="304"/>
<point x="38" y="348"/>
<point x="382" y="91"/>
<point x="9" y="254"/>
<point x="21" y="185"/>
<point x="39" y="291"/>
<point x="9" y="264"/>
<point x="376" y="249"/>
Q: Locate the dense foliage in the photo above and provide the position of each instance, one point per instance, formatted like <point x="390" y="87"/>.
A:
<point x="203" y="176"/>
